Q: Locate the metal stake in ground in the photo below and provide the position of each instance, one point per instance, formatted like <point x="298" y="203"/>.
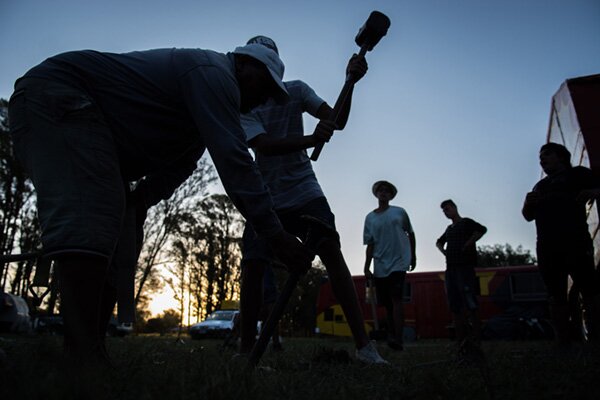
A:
<point x="368" y="36"/>
<point x="269" y="327"/>
<point x="316" y="227"/>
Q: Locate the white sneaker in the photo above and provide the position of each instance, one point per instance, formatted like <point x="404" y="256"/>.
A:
<point x="369" y="354"/>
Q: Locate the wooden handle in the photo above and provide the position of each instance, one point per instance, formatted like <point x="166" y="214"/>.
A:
<point x="276" y="313"/>
<point x="340" y="102"/>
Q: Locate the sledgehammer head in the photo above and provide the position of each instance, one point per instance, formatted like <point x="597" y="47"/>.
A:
<point x="373" y="30"/>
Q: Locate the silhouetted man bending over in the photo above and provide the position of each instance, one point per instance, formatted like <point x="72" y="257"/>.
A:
<point x="85" y="123"/>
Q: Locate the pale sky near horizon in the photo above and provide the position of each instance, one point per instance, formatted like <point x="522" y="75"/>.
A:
<point x="455" y="104"/>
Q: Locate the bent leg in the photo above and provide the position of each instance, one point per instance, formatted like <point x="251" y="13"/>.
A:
<point x="251" y="294"/>
<point x="343" y="289"/>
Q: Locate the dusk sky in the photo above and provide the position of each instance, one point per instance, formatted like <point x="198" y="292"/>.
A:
<point x="455" y="104"/>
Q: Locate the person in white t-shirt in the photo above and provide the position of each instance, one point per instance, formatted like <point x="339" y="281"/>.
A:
<point x="391" y="243"/>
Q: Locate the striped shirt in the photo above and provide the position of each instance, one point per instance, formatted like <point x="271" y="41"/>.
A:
<point x="289" y="177"/>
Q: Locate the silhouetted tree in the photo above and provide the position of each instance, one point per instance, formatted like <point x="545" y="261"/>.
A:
<point x="223" y="235"/>
<point x="179" y="281"/>
<point x="163" y="222"/>
<point x="18" y="225"/>
<point x="208" y="255"/>
<point x="164" y="323"/>
<point x="502" y="256"/>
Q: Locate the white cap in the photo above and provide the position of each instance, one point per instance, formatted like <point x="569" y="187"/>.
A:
<point x="271" y="60"/>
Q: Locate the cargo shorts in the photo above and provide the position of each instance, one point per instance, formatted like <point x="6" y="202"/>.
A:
<point x="296" y="223"/>
<point x="61" y="139"/>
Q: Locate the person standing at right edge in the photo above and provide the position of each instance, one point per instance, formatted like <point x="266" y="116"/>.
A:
<point x="557" y="203"/>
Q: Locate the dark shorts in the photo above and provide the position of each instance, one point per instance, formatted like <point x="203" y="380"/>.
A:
<point x="558" y="262"/>
<point x="62" y="141"/>
<point x="390" y="287"/>
<point x="461" y="289"/>
<point x="295" y="221"/>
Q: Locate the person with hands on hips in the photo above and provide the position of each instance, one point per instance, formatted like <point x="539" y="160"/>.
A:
<point x="458" y="244"/>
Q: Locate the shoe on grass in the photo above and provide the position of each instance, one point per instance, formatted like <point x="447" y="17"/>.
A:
<point x="369" y="355"/>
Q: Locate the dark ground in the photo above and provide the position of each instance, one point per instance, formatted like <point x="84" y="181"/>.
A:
<point x="148" y="367"/>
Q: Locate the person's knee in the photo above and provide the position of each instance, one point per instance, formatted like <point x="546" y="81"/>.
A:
<point x="81" y="266"/>
<point x="330" y="252"/>
<point x="328" y="243"/>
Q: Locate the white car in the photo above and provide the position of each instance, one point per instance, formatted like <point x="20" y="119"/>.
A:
<point x="218" y="324"/>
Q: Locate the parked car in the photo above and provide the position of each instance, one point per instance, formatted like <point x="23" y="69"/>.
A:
<point x="48" y="324"/>
<point x="217" y="325"/>
<point x="14" y="314"/>
<point x="52" y="324"/>
<point x="119" y="329"/>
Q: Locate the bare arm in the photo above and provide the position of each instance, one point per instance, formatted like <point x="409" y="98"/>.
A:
<point x="326" y="112"/>
<point x="530" y="205"/>
<point x="413" y="250"/>
<point x="368" y="259"/>
<point x="440" y="245"/>
<point x="356" y="69"/>
<point x="474" y="238"/>
<point x="277" y="146"/>
<point x="588" y="195"/>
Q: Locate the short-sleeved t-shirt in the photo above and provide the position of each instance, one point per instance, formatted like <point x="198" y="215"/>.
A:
<point x="388" y="232"/>
<point x="559" y="218"/>
<point x="289" y="177"/>
<point x="455" y="237"/>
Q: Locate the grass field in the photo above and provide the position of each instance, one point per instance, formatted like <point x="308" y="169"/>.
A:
<point x="163" y="368"/>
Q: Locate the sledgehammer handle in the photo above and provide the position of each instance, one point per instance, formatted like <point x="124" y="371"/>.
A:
<point x="269" y="327"/>
<point x="339" y="104"/>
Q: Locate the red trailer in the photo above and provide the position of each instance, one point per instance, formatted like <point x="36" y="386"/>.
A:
<point x="509" y="298"/>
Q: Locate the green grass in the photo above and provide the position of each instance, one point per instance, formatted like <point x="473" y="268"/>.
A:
<point x="161" y="368"/>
